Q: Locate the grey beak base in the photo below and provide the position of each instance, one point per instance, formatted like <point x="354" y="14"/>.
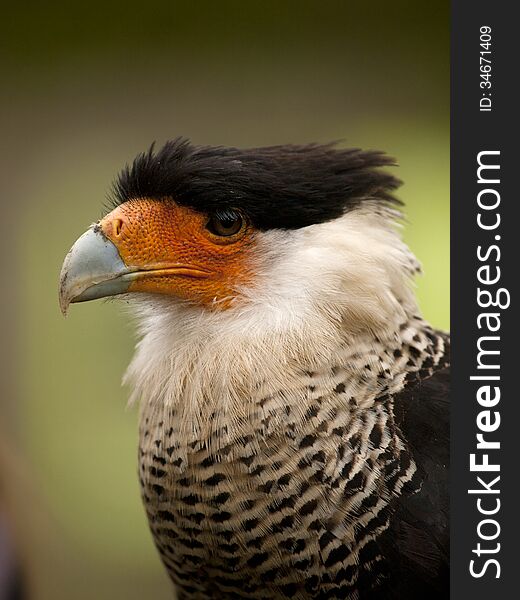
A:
<point x="92" y="269"/>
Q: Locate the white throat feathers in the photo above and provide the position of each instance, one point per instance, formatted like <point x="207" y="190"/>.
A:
<point x="322" y="295"/>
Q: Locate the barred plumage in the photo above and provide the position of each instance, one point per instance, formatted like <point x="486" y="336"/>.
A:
<point x="296" y="511"/>
<point x="293" y="404"/>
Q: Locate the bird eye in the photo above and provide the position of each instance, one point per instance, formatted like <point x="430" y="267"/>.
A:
<point x="225" y="223"/>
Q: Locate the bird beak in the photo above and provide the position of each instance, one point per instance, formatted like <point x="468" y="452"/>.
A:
<point x="92" y="269"/>
<point x="154" y="247"/>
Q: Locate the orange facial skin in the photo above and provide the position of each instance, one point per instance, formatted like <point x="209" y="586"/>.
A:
<point x="176" y="254"/>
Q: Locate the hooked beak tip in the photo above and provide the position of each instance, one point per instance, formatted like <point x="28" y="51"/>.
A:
<point x="92" y="269"/>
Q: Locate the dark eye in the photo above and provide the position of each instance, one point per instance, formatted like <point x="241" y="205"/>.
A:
<point x="225" y="223"/>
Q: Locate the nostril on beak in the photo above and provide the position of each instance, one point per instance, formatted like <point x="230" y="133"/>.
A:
<point x="117" y="226"/>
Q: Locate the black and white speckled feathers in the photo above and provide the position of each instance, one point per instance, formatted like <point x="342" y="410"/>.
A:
<point x="277" y="187"/>
<point x="294" y="445"/>
<point x="347" y="500"/>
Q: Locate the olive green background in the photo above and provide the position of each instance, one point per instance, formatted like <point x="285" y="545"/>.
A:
<point x="84" y="88"/>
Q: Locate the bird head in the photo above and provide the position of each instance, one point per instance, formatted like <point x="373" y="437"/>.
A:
<point x="219" y="228"/>
<point x="246" y="266"/>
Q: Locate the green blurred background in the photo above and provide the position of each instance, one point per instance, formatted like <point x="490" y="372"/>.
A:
<point x="86" y="87"/>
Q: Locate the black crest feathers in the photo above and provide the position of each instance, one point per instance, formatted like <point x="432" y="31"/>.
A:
<point x="277" y="187"/>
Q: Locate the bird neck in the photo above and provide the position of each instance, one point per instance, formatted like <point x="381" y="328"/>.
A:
<point x="327" y="298"/>
<point x="208" y="378"/>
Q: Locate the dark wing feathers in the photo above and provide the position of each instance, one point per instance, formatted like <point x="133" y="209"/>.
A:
<point x="417" y="541"/>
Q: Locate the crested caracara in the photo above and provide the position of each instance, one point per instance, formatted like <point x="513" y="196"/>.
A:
<point x="293" y="403"/>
